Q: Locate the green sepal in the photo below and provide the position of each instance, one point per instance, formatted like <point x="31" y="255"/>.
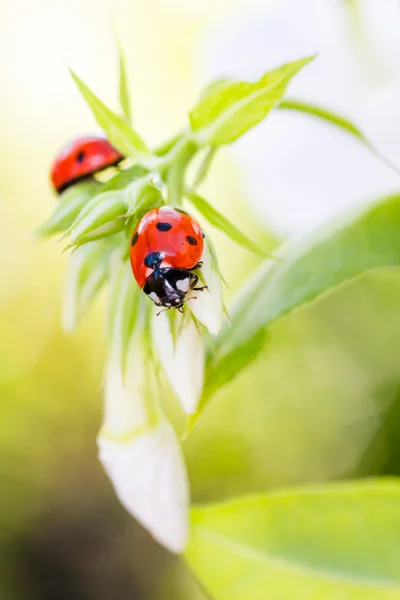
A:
<point x="95" y="218"/>
<point x="67" y="209"/>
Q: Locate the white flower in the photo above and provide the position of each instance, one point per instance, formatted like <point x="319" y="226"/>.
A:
<point x="182" y="358"/>
<point x="300" y="171"/>
<point x="149" y="477"/>
<point x="140" y="451"/>
<point x="208" y="305"/>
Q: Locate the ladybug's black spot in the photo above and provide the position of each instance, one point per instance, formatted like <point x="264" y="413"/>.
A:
<point x="134" y="239"/>
<point x="164" y="226"/>
<point x="80" y="157"/>
<point x="191" y="240"/>
<point x="153" y="260"/>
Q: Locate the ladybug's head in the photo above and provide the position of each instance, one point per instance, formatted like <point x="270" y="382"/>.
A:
<point x="168" y="287"/>
<point x="82" y="158"/>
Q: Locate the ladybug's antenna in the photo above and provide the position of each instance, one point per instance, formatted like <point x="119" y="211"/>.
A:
<point x="163" y="310"/>
<point x="180" y="307"/>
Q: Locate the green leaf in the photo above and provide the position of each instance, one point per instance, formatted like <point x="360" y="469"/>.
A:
<point x="218" y="220"/>
<point x="177" y="171"/>
<point x="324" y="114"/>
<point x="123" y="84"/>
<point x="338" y="121"/>
<point x="204" y="166"/>
<point x="214" y="257"/>
<point x="229" y="366"/>
<point x="325" y="542"/>
<point x="232" y="108"/>
<point x="213" y="86"/>
<point x="67" y="209"/>
<point x="117" y="130"/>
<point x="305" y="271"/>
<point x="87" y="272"/>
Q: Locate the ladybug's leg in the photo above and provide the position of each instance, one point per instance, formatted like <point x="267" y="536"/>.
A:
<point x="194" y="281"/>
<point x="197" y="266"/>
<point x="200" y="289"/>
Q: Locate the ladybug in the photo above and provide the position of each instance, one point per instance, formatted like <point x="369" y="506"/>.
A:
<point x="166" y="248"/>
<point x="81" y="158"/>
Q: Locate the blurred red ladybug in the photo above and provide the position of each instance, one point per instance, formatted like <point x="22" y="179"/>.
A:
<point x="166" y="248"/>
<point x="81" y="158"/>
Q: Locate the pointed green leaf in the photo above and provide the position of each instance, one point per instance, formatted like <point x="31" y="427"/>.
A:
<point x="337" y="120"/>
<point x="204" y="166"/>
<point x="322" y="113"/>
<point x="124" y="99"/>
<point x="305" y="271"/>
<point x="220" y="222"/>
<point x="232" y="108"/>
<point x="177" y="171"/>
<point x="214" y="256"/>
<point x="117" y="130"/>
<point x="67" y="209"/>
<point x="214" y="85"/>
<point x="317" y="543"/>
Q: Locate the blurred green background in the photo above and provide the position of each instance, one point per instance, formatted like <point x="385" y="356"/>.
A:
<point x="321" y="403"/>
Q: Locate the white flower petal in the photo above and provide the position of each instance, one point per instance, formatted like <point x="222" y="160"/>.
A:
<point x="208" y="305"/>
<point x="380" y="121"/>
<point x="183" y="361"/>
<point x="149" y="477"/>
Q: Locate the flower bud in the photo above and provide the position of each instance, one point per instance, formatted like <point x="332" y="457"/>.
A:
<point x="99" y="218"/>
<point x="68" y="208"/>
<point x="143" y="195"/>
<point x="182" y="358"/>
<point x="137" y="446"/>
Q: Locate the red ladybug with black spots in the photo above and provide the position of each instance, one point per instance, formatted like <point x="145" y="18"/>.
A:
<point x="81" y="158"/>
<point x="166" y="248"/>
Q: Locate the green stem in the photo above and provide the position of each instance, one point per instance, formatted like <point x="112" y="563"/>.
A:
<point x="167" y="146"/>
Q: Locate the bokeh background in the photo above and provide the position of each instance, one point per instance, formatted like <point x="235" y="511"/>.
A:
<point x="323" y="400"/>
